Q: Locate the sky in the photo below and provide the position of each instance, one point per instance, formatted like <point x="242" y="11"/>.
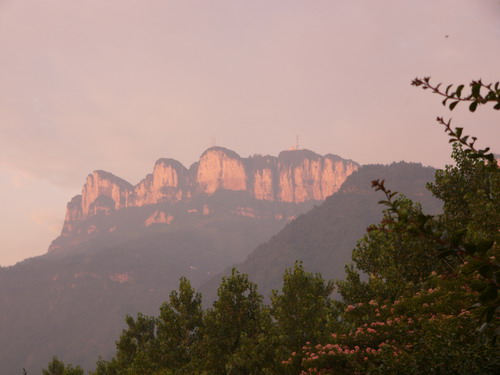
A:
<point x="118" y="84"/>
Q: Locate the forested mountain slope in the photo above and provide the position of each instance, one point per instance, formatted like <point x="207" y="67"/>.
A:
<point x="324" y="237"/>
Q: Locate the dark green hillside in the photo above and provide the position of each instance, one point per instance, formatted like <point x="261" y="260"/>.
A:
<point x="324" y="237"/>
<point x="71" y="302"/>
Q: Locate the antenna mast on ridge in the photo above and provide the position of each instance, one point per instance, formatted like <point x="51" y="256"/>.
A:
<point x="297" y="142"/>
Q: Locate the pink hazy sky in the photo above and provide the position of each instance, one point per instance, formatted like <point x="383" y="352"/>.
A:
<point x="117" y="84"/>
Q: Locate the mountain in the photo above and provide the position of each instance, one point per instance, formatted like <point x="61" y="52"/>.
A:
<point x="295" y="176"/>
<point x="123" y="248"/>
<point x="324" y="237"/>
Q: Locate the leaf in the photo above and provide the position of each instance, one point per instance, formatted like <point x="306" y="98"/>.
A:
<point x="470" y="248"/>
<point x="484" y="246"/>
<point x="476" y="87"/>
<point x="489" y="294"/>
<point x="459" y="90"/>
<point x="446" y="253"/>
<point x="473" y="106"/>
<point x="485" y="271"/>
<point x="453" y="105"/>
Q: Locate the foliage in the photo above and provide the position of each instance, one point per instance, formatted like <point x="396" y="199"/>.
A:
<point x="415" y="322"/>
<point x="234" y="318"/>
<point x="396" y="260"/>
<point x="480" y="93"/>
<point x="178" y="327"/>
<point x="303" y="309"/>
<point x="156" y="345"/>
<point x="57" y="367"/>
<point x="469" y="228"/>
<point x="430" y="332"/>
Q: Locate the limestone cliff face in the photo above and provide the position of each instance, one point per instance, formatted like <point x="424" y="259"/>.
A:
<point x="102" y="183"/>
<point x="295" y="176"/>
<point x="220" y="168"/>
<point x="263" y="176"/>
<point x="335" y="172"/>
<point x="74" y="214"/>
<point x="305" y="175"/>
<point x="166" y="183"/>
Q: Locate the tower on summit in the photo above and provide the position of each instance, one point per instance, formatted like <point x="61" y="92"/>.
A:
<point x="296" y="146"/>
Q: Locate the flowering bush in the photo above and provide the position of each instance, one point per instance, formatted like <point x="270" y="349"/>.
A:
<point x="431" y="332"/>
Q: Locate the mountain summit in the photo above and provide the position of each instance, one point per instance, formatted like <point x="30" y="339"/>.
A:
<point x="295" y="176"/>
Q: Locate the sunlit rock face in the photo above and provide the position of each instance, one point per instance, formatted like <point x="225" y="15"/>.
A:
<point x="295" y="176"/>
<point x="103" y="205"/>
<point x="74" y="214"/>
<point x="220" y="168"/>
<point x="263" y="177"/>
<point x="263" y="184"/>
<point x="305" y="175"/>
<point x="106" y="184"/>
<point x="158" y="217"/>
<point x="166" y="183"/>
<point x="334" y="173"/>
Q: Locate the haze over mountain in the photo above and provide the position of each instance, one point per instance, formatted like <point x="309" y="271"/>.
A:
<point x="323" y="238"/>
<point x="117" y="84"/>
<point x="123" y="248"/>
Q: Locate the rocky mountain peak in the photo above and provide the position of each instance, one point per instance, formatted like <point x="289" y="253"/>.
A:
<point x="220" y="168"/>
<point x="104" y="183"/>
<point x="295" y="176"/>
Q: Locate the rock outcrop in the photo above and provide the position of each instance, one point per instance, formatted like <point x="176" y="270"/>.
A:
<point x="220" y="168"/>
<point x="101" y="183"/>
<point x="166" y="183"/>
<point x="295" y="176"/>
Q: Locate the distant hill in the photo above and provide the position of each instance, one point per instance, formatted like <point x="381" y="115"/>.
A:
<point x="324" y="237"/>
<point x="123" y="248"/>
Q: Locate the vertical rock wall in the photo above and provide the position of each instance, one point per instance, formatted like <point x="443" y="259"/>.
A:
<point x="294" y="176"/>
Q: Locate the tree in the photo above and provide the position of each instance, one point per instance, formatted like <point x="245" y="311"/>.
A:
<point x="235" y="318"/>
<point x="303" y="309"/>
<point x="159" y="345"/>
<point x="136" y="343"/>
<point x="395" y="259"/>
<point x="57" y="367"/>
<point x="178" y="327"/>
<point x="428" y="323"/>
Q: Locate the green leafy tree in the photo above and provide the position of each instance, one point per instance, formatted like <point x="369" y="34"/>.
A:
<point x="302" y="310"/>
<point x="135" y="344"/>
<point x="111" y="367"/>
<point x="235" y="318"/>
<point x="428" y="323"/>
<point x="395" y="259"/>
<point x="57" y="367"/>
<point x="159" y="345"/>
<point x="178" y="328"/>
<point x="470" y="191"/>
<point x="429" y="332"/>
